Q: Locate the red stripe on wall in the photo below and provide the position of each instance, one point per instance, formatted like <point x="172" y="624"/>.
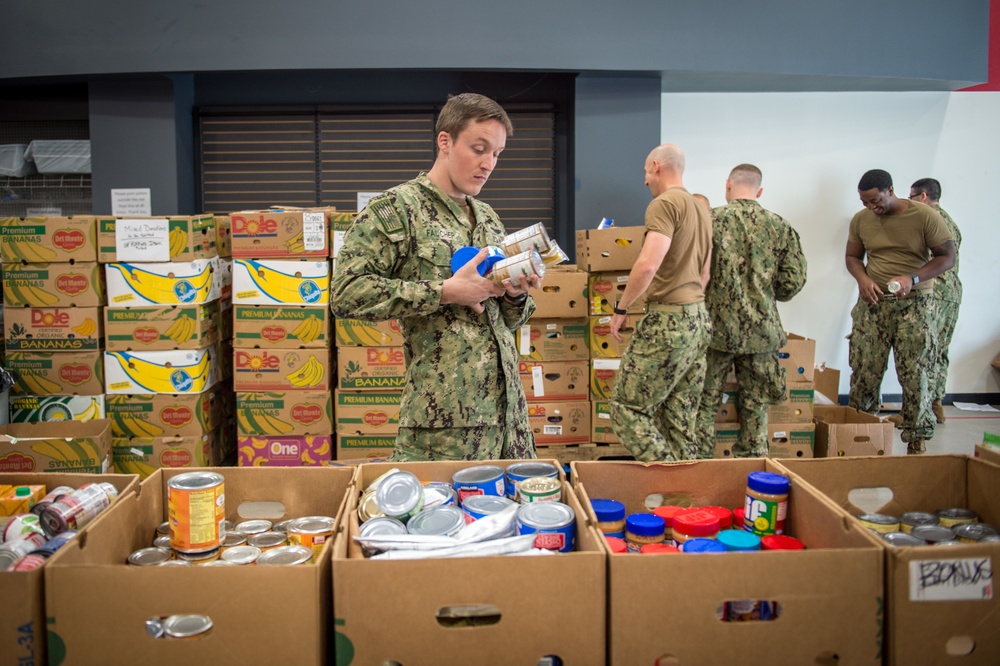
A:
<point x="993" y="72"/>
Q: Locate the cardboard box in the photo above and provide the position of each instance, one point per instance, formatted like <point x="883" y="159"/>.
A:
<point x="182" y="238"/>
<point x="600" y="341"/>
<point x="604" y="290"/>
<point x="791" y="440"/>
<point x="357" y="333"/>
<point x="988" y="453"/>
<point x="603" y="372"/>
<point x="941" y="604"/>
<point x="844" y="431"/>
<point x="22" y="615"/>
<point x="798" y="357"/>
<point x="281" y="233"/>
<point x="563" y="294"/>
<point x="370" y="368"/>
<point x="57" y="373"/>
<point x="36" y="408"/>
<point x="53" y="285"/>
<point x="797" y="406"/>
<point x="552" y="340"/>
<point x="44" y="240"/>
<point x="145" y="455"/>
<point x="560" y="422"/>
<point x="177" y="371"/>
<point x="284" y="450"/>
<point x="729" y="409"/>
<point x="569" y="623"/>
<point x="367" y="413"/>
<point x="225" y="320"/>
<point x="284" y="413"/>
<point x="226" y="280"/>
<point x="838" y="575"/>
<point x="224" y="235"/>
<point x="53" y="329"/>
<point x="601" y="430"/>
<point x="164" y="414"/>
<point x="161" y="328"/>
<point x="365" y="447"/>
<point x="340" y="224"/>
<point x="282" y="370"/>
<point x="56" y="446"/>
<point x="549" y="381"/>
<point x="614" y="249"/>
<point x="168" y="283"/>
<point x="282" y="326"/>
<point x="240" y="602"/>
<point x="272" y="282"/>
<point x="726" y="436"/>
<point x="827" y="386"/>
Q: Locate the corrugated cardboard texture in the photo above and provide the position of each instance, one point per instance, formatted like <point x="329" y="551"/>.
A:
<point x="56" y="446"/>
<point x="798" y="357"/>
<point x="614" y="249"/>
<point x="563" y="294"/>
<point x="600" y="341"/>
<point x="797" y="407"/>
<point x="844" y="431"/>
<point x="552" y="340"/>
<point x="560" y="380"/>
<point x="560" y="422"/>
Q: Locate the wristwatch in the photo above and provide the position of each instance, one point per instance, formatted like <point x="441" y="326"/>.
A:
<point x="519" y="300"/>
<point x="916" y="279"/>
<point x="619" y="311"/>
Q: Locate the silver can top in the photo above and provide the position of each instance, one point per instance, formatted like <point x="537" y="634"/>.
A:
<point x="902" y="539"/>
<point x="382" y="526"/>
<point x="242" y="554"/>
<point x="477" y="474"/>
<point x="545" y="515"/>
<point x="149" y="557"/>
<point x="399" y="493"/>
<point x="268" y="540"/>
<point x="195" y="480"/>
<point x="439" y="521"/>
<point x="251" y="527"/>
<point x="531" y="468"/>
<point x="311" y="525"/>
<point x="285" y="556"/>
<point x="486" y="504"/>
<point x="933" y="533"/>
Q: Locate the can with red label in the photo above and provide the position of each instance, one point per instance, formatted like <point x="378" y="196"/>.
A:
<point x="552" y="523"/>
<point x="53" y="495"/>
<point x="196" y="508"/>
<point x="78" y="508"/>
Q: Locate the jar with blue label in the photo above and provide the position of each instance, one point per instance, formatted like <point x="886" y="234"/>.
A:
<point x="610" y="517"/>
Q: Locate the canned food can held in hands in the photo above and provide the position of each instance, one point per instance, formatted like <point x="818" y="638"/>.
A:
<point x="512" y="268"/>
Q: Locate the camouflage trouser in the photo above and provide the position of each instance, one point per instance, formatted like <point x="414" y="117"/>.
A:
<point x="907" y="327"/>
<point x="947" y="315"/>
<point x="485" y="442"/>
<point x="762" y="383"/>
<point x="654" y="402"/>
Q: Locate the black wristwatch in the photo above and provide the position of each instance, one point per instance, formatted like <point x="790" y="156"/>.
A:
<point x="516" y="301"/>
<point x="618" y="310"/>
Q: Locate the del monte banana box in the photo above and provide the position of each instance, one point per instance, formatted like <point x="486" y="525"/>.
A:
<point x="370" y="368"/>
<point x="604" y="290"/>
<point x="176" y="371"/>
<point x="275" y="282"/>
<point x="34" y="408"/>
<point x="282" y="413"/>
<point x="168" y="283"/>
<point x="42" y="240"/>
<point x="357" y="333"/>
<point x="182" y="237"/>
<point x="285" y="450"/>
<point x="603" y="372"/>
<point x="285" y="326"/>
<point x="52" y="329"/>
<point x="56" y="446"/>
<point x="57" y="373"/>
<point x="281" y="369"/>
<point x="53" y="285"/>
<point x="280" y="232"/>
<point x="144" y="455"/>
<point x="367" y="413"/>
<point x="160" y="328"/>
<point x="600" y="341"/>
<point x="164" y="415"/>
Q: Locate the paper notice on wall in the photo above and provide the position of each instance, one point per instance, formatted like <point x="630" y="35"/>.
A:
<point x="131" y="202"/>
<point x="953" y="579"/>
<point x="364" y="198"/>
<point x="142" y="240"/>
<point x="43" y="212"/>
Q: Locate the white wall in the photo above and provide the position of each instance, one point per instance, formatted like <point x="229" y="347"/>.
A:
<point x="813" y="149"/>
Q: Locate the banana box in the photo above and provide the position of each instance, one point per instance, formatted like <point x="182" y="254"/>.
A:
<point x="53" y="285"/>
<point x="370" y="368"/>
<point x="357" y="333"/>
<point x="169" y="283"/>
<point x="224" y="236"/>
<point x="340" y="224"/>
<point x="552" y="340"/>
<point x="365" y="448"/>
<point x="560" y="422"/>
<point x="545" y="381"/>
<point x="34" y="408"/>
<point x="56" y="446"/>
<point x="604" y="290"/>
<point x="284" y="326"/>
<point x="281" y="369"/>
<point x="144" y="455"/>
<point x="225" y="320"/>
<point x="267" y="282"/>
<point x="600" y="341"/>
<point x="183" y="238"/>
<point x="281" y="232"/>
<point x="284" y="413"/>
<point x="601" y="431"/>
<point x="226" y="352"/>
<point x="603" y="372"/>
<point x="367" y="413"/>
<point x="165" y="415"/>
<point x="284" y="450"/>
<point x="53" y="329"/>
<point x="161" y="328"/>
<point x="57" y="373"/>
<point x="176" y="371"/>
<point x="44" y="240"/>
<point x="226" y="279"/>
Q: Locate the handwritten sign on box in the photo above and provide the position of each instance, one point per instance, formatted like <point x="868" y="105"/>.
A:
<point x="953" y="579"/>
<point x="142" y="240"/>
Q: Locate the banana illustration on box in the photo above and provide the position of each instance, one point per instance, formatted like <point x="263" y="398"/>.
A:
<point x="21" y="294"/>
<point x="160" y="372"/>
<point x="133" y="466"/>
<point x="284" y="282"/>
<point x="175" y="283"/>
<point x="296" y="244"/>
<point x="181" y="330"/>
<point x="29" y="383"/>
<point x="92" y="413"/>
<point x="87" y="328"/>
<point x="70" y="452"/>
<point x="309" y="329"/>
<point x="255" y="422"/>
<point x="178" y="239"/>
<point x="28" y="251"/>
<point x="308" y="375"/>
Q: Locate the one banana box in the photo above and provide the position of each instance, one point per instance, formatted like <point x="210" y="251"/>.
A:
<point x="284" y="413"/>
<point x="170" y="283"/>
<point x="165" y="415"/>
<point x="600" y="341"/>
<point x="370" y="368"/>
<point x="340" y="224"/>
<point x="145" y="455"/>
<point x="604" y="290"/>
<point x="57" y="285"/>
<point x="284" y="326"/>
<point x="281" y="233"/>
<point x="161" y="328"/>
<point x="34" y="408"/>
<point x="285" y="450"/>
<point x="56" y="446"/>
<point x="175" y="371"/>
<point x="279" y="282"/>
<point x="176" y="238"/>
<point x="281" y="369"/>
<point x="57" y="373"/>
<point x="43" y="240"/>
<point x="224" y="235"/>
<point x="367" y="412"/>
<point x="357" y="333"/>
<point x="552" y="340"/>
<point x="603" y="372"/>
<point x="53" y="329"/>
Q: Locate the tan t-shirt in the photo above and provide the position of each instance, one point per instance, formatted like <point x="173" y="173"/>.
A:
<point x="677" y="215"/>
<point x="898" y="244"/>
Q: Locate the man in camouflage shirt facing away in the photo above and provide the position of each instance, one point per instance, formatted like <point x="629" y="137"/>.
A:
<point x="463" y="398"/>
<point x="757" y="261"/>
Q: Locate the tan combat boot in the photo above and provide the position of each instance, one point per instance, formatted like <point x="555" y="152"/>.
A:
<point x="916" y="447"/>
<point x="938" y="411"/>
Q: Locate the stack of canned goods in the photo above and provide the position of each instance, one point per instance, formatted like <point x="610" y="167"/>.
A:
<point x="946" y="527"/>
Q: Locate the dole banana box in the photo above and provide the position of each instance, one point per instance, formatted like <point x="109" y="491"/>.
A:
<point x="224" y="236"/>
<point x="164" y="415"/>
<point x="53" y="329"/>
<point x="284" y="450"/>
<point x="175" y="371"/>
<point x="276" y="282"/>
<point x="57" y="373"/>
<point x="281" y="413"/>
<point x="602" y="377"/>
<point x="552" y="340"/>
<point x="365" y="447"/>
<point x="43" y="240"/>
<point x="370" y="368"/>
<point x="284" y="326"/>
<point x="35" y="408"/>
<point x="282" y="370"/>
<point x="56" y="446"/>
<point x="600" y="341"/>
<point x="357" y="333"/>
<point x="545" y="381"/>
<point x="54" y="285"/>
<point x="280" y="233"/>
<point x="166" y="283"/>
<point x="560" y="422"/>
<point x="601" y="430"/>
<point x="340" y="224"/>
<point x="180" y="238"/>
<point x="144" y="455"/>
<point x="161" y="328"/>
<point x="367" y="413"/>
<point x="604" y="290"/>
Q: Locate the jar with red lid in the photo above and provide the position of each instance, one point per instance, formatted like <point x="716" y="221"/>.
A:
<point x="695" y="523"/>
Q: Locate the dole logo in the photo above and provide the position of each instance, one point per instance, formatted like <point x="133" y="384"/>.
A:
<point x="176" y="416"/>
<point x="376" y="418"/>
<point x="273" y="333"/>
<point x="603" y="287"/>
<point x="260" y="361"/>
<point x="394" y="326"/>
<point x="50" y="318"/>
<point x="385" y="356"/>
<point x="17" y="462"/>
<point x="253" y="226"/>
<point x="68" y="239"/>
<point x="306" y="414"/>
<point x="175" y="458"/>
<point x="602" y="330"/>
<point x="75" y="373"/>
<point x="72" y="284"/>
<point x="146" y="335"/>
<point x="536" y="410"/>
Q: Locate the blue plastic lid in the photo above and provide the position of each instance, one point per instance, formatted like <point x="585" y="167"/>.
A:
<point x="703" y="546"/>
<point x="768" y="483"/>
<point x="464" y="255"/>
<point x="739" y="540"/>
<point x="645" y="524"/>
<point x="608" y="510"/>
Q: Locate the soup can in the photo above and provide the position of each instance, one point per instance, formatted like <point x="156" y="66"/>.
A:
<point x="479" y="506"/>
<point x="150" y="557"/>
<point x="933" y="533"/>
<point x="902" y="539"/>
<point x="241" y="555"/>
<point x="53" y="495"/>
<point x="400" y="495"/>
<point x="439" y="521"/>
<point x="540" y="489"/>
<point x="535" y="237"/>
<point x="285" y="556"/>
<point x="973" y="532"/>
<point x="552" y="523"/>
<point x="519" y="471"/>
<point x="268" y="540"/>
<point x="957" y="516"/>
<point x="186" y="626"/>
<point x="255" y="526"/>
<point x="439" y="493"/>
<point x="512" y="268"/>
<point x="312" y="532"/>
<point x="912" y="519"/>
<point x="479" y="480"/>
<point x="196" y="506"/>
<point x="880" y="522"/>
<point x="203" y="557"/>
<point x="75" y="510"/>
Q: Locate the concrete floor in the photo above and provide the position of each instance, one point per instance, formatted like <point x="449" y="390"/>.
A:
<point x="961" y="431"/>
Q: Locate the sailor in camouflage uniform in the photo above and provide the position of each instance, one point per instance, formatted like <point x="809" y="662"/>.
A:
<point x="463" y="398"/>
<point x="757" y="261"/>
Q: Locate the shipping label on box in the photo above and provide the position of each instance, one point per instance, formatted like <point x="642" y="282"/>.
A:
<point x="285" y="450"/>
<point x="56" y="446"/>
<point x="798" y="357"/>
<point x="177" y="371"/>
<point x="181" y="238"/>
<point x="57" y="373"/>
<point x="52" y="329"/>
<point x="600" y="341"/>
<point x="555" y="381"/>
<point x="563" y="294"/>
<point x="844" y="431"/>
<point x="797" y="406"/>
<point x="791" y="440"/>
<point x="357" y="333"/>
<point x="284" y="326"/>
<point x="144" y="455"/>
<point x="600" y="420"/>
<point x="552" y="340"/>
<point x="604" y="290"/>
<point x="281" y="233"/>
<point x="35" y="408"/>
<point x="560" y="422"/>
<point x="171" y="283"/>
<point x="602" y="377"/>
<point x="340" y="224"/>
<point x="367" y="412"/>
<point x="45" y="240"/>
<point x="370" y="368"/>
<point x="53" y="285"/>
<point x="161" y="328"/>
<point x="281" y="369"/>
<point x="267" y="282"/>
<point x="614" y="249"/>
<point x="224" y="236"/>
<point x="284" y="413"/>
<point x="361" y="447"/>
<point x="165" y="415"/>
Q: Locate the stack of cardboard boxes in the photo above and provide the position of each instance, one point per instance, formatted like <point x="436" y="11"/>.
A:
<point x="790" y="429"/>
